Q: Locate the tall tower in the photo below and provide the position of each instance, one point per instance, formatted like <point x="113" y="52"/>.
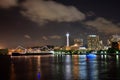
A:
<point x="67" y="35"/>
<point x="67" y="45"/>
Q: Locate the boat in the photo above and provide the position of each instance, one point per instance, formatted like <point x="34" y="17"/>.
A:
<point x="91" y="56"/>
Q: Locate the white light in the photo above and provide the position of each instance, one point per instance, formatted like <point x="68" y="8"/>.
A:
<point x="92" y="35"/>
<point x="117" y="57"/>
<point x="67" y="34"/>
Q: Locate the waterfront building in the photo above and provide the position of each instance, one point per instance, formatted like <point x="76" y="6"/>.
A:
<point x="101" y="45"/>
<point x="115" y="42"/>
<point x="77" y="44"/>
<point x="114" y="38"/>
<point x="119" y="44"/>
<point x="94" y="43"/>
<point x="114" y="45"/>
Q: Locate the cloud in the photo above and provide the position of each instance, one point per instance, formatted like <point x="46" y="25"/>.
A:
<point x="118" y="24"/>
<point x="90" y="13"/>
<point x="27" y="36"/>
<point x="44" y="38"/>
<point x="8" y="3"/>
<point x="55" y="37"/>
<point x="42" y="11"/>
<point x="103" y="25"/>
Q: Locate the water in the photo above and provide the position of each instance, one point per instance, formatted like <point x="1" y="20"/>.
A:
<point x="65" y="67"/>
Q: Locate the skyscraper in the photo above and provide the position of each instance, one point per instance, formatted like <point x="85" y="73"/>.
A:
<point x="93" y="42"/>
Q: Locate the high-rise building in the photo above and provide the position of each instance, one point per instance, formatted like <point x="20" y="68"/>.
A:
<point x="115" y="42"/>
<point x="93" y="42"/>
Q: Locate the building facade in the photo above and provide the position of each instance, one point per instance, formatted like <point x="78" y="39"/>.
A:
<point x="115" y="42"/>
<point x="93" y="42"/>
<point x="77" y="44"/>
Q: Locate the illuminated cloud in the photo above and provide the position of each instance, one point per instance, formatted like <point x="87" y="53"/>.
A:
<point x="2" y="46"/>
<point x="27" y="36"/>
<point x="55" y="37"/>
<point x="103" y="25"/>
<point x="8" y="3"/>
<point x="44" y="38"/>
<point x="41" y="11"/>
<point x="118" y="24"/>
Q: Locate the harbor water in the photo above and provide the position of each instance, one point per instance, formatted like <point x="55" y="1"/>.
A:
<point x="62" y="67"/>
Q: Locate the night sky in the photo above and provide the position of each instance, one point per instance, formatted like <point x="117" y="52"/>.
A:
<point x="45" y="22"/>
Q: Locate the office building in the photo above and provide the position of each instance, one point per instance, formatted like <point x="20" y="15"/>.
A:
<point x="93" y="42"/>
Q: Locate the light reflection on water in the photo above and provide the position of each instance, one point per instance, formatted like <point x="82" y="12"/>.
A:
<point x="64" y="67"/>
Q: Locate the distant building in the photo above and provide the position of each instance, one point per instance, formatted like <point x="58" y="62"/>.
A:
<point x="94" y="43"/>
<point x="77" y="44"/>
<point x="114" y="42"/>
<point x="115" y="45"/>
<point x="119" y="44"/>
<point x="115" y="38"/>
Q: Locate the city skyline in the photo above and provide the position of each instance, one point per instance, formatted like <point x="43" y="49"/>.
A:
<point x="44" y="22"/>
